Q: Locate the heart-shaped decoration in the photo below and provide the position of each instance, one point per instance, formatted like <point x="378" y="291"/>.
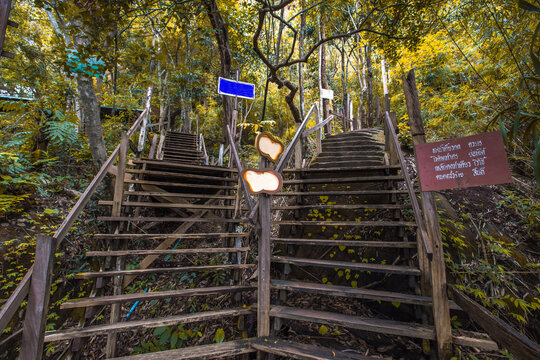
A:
<point x="269" y="147"/>
<point x="265" y="181"/>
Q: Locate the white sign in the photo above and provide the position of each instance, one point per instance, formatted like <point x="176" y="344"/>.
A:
<point x="327" y="94"/>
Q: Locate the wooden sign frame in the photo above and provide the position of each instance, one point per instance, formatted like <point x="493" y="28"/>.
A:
<point x="273" y="140"/>
<point x="261" y="171"/>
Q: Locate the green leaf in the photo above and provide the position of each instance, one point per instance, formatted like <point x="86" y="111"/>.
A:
<point x="219" y="336"/>
<point x="525" y="5"/>
<point x="534" y="57"/>
<point x="536" y="163"/>
<point x="504" y="133"/>
<point x="160" y="330"/>
<point x="174" y="340"/>
<point x="164" y="338"/>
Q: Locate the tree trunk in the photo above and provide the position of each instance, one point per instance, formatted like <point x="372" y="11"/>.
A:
<point x="90" y="109"/>
<point x="322" y="73"/>
<point x="222" y="38"/>
<point x="369" y="85"/>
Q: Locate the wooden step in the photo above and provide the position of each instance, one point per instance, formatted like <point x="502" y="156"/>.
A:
<point x="345" y="169"/>
<point x="169" y="236"/>
<point x="349" y="243"/>
<point x="168" y="205"/>
<point x="212" y="351"/>
<point x="179" y="195"/>
<point x="162" y="164"/>
<point x="172" y="219"/>
<point x="293" y="350"/>
<point x="342" y="192"/>
<point x="346" y="223"/>
<point x="139" y="272"/>
<point x="355" y="322"/>
<point x="169" y="174"/>
<point x="366" y="162"/>
<point x="174" y="154"/>
<point x="141" y="324"/>
<point x="165" y="252"/>
<point x="352" y="179"/>
<point x="338" y="154"/>
<point x="347" y="291"/>
<point x="360" y="266"/>
<point x="175" y="184"/>
<point x="153" y="295"/>
<point x="340" y="207"/>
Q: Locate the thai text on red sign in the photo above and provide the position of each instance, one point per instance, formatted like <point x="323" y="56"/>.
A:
<point x="464" y="162"/>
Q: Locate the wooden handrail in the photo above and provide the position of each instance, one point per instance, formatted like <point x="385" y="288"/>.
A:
<point x="426" y="243"/>
<point x="287" y="154"/>
<point x="20" y="292"/>
<point x="318" y="126"/>
<point x="239" y="167"/>
<point x="202" y="147"/>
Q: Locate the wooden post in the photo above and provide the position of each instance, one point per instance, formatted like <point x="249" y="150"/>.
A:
<point x="152" y="152"/>
<point x="38" y="299"/>
<point x="441" y="312"/>
<point x="5" y="8"/>
<point x="116" y="211"/>
<point x="263" y="288"/>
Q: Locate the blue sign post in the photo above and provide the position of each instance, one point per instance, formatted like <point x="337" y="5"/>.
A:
<point x="236" y="88"/>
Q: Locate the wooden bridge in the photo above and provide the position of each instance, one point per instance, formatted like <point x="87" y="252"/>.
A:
<point x="190" y="258"/>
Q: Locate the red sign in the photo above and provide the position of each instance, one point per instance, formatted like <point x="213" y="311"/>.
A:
<point x="465" y="162"/>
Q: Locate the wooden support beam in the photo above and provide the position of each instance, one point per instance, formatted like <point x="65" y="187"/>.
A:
<point x="263" y="289"/>
<point x="38" y="299"/>
<point x="441" y="312"/>
<point x="5" y="8"/>
<point x="519" y="345"/>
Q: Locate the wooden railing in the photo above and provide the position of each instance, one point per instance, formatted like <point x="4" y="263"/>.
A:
<point x="21" y="291"/>
<point x="391" y="134"/>
<point x="236" y="158"/>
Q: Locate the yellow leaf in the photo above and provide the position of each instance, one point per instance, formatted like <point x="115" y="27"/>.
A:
<point x="354" y="284"/>
<point x="323" y="330"/>
<point x="342" y="248"/>
<point x="396" y="304"/>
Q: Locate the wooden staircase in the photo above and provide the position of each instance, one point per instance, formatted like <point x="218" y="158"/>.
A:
<point x="345" y="233"/>
<point x="182" y="147"/>
<point x="176" y="248"/>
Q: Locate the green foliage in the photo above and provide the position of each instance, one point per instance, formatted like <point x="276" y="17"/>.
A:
<point x="167" y="337"/>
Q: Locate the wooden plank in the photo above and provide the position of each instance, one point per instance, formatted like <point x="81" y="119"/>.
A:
<point x="340" y="169"/>
<point x="441" y="311"/>
<point x="264" y="254"/>
<point x="181" y="195"/>
<point x="139" y="272"/>
<point x="343" y="180"/>
<point x="165" y="252"/>
<point x="168" y="205"/>
<point x="347" y="291"/>
<point x="170" y="219"/>
<point x="38" y="299"/>
<point x="517" y="344"/>
<point x="355" y="322"/>
<point x="164" y="164"/>
<point x="393" y="269"/>
<point x="340" y="207"/>
<point x="349" y="243"/>
<point x="171" y="236"/>
<point x="153" y="295"/>
<point x="105" y="329"/>
<point x="339" y="193"/>
<point x="175" y="184"/>
<point x="13" y="303"/>
<point x="213" y="351"/>
<point x="169" y="174"/>
<point x="347" y="223"/>
<point x="292" y="350"/>
<point x="476" y="341"/>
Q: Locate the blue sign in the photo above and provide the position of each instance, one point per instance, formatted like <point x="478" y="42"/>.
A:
<point x="236" y="88"/>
